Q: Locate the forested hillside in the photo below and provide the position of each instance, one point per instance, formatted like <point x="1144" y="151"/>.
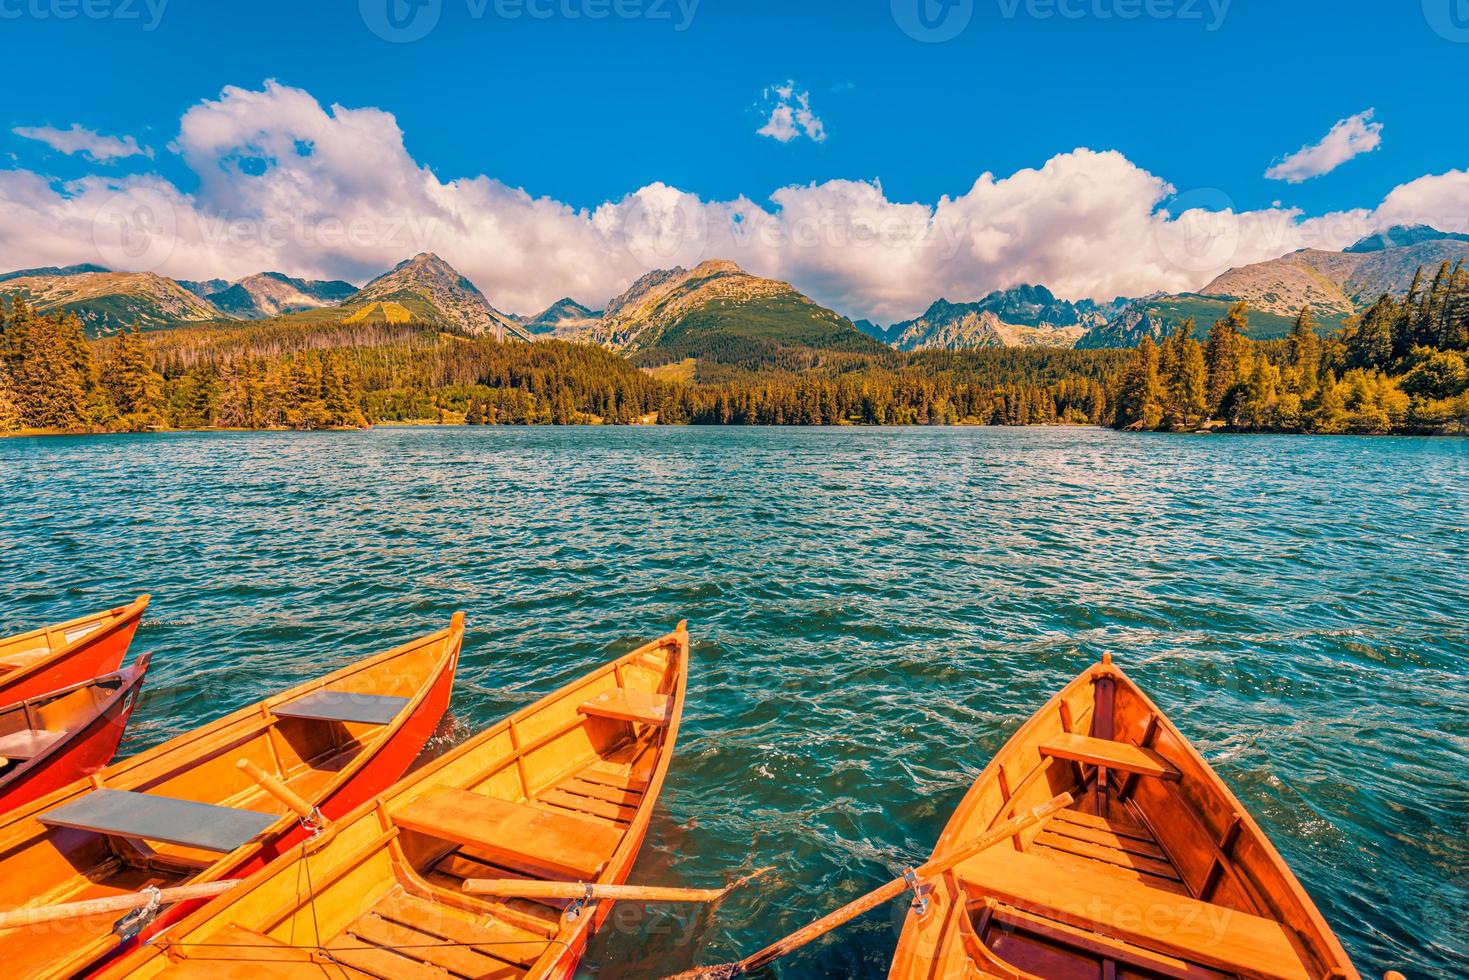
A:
<point x="1398" y="367"/>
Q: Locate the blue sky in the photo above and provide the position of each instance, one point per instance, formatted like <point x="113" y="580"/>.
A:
<point x="586" y="111"/>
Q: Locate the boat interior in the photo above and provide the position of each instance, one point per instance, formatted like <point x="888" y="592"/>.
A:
<point x="561" y="791"/>
<point x="1154" y="871"/>
<point x="161" y="818"/>
<point x="32" y="727"/>
<point x="27" y="649"/>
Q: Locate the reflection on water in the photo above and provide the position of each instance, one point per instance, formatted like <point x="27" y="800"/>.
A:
<point x="874" y="611"/>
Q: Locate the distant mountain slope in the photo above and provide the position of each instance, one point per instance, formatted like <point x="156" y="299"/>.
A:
<point x="563" y="318"/>
<point x="1157" y="316"/>
<point x="52" y="270"/>
<point x="268" y="294"/>
<point x="1025" y="316"/>
<point x="717" y="311"/>
<point x="1334" y="283"/>
<point x="428" y="286"/>
<point x="107" y="302"/>
<point x="1402" y="236"/>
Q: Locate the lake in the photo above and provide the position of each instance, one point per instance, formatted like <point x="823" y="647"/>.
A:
<point x="873" y="612"/>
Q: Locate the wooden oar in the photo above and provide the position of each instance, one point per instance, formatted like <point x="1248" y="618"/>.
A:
<point x="287" y="796"/>
<point x="113" y="903"/>
<point x="934" y="867"/>
<point x="582" y="891"/>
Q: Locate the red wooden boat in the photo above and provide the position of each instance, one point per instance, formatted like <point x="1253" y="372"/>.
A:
<point x="55" y="739"/>
<point x="185" y="812"/>
<point x="55" y="657"/>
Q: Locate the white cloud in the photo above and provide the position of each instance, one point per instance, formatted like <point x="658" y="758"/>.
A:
<point x="1350" y="137"/>
<point x="791" y="115"/>
<point x="284" y="183"/>
<point x="89" y="143"/>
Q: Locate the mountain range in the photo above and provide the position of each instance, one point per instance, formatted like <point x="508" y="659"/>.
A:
<point x="718" y="312"/>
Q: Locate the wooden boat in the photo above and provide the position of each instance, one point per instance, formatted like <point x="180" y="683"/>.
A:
<point x="561" y="791"/>
<point x="1155" y="870"/>
<point x="184" y="812"/>
<point x="49" y="741"/>
<point x="54" y="657"/>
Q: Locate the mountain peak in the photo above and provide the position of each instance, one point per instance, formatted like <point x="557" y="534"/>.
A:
<point x="714" y="267"/>
<point x="434" y="289"/>
<point x="1402" y="236"/>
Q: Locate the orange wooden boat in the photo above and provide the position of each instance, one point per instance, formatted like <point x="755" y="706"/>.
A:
<point x="184" y="812"/>
<point x="54" y="657"/>
<point x="1155" y="871"/>
<point x="55" y="739"/>
<point x="561" y="791"/>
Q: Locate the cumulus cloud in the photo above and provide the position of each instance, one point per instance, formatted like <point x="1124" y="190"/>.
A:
<point x="791" y="116"/>
<point x="89" y="143"/>
<point x="1350" y="137"/>
<point x="285" y="183"/>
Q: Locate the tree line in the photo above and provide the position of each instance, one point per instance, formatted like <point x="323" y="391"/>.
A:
<point x="1398" y="367"/>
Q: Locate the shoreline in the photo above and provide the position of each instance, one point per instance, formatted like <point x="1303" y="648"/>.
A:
<point x="430" y="423"/>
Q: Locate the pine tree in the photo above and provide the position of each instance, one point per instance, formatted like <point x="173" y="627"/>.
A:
<point x="1139" y="401"/>
<point x="1371" y="341"/>
<point x="135" y="386"/>
<point x="1303" y="350"/>
<point x="1222" y="355"/>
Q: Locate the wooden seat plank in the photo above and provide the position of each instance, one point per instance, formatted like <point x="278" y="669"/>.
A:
<point x="27" y="743"/>
<point x="524" y="837"/>
<point x="346" y="706"/>
<point x="1121" y="756"/>
<point x="600" y="791"/>
<point x="1141" y="877"/>
<point x="638" y="707"/>
<point x="1104" y="838"/>
<point x="585" y="804"/>
<point x="492" y="935"/>
<point x="1211" y="935"/>
<point x="1112" y="855"/>
<point x="1060" y="933"/>
<point x="1116" y="822"/>
<point x="381" y="962"/>
<point x="122" y="813"/>
<point x="431" y="948"/>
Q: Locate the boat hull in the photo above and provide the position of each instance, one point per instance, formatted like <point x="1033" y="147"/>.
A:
<point x="334" y="763"/>
<point x="1155" y="868"/>
<point x="93" y="654"/>
<point x="85" y="751"/>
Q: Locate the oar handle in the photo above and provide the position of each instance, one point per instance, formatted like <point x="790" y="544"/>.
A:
<point x="114" y="903"/>
<point x="575" y="890"/>
<point x="275" y="787"/>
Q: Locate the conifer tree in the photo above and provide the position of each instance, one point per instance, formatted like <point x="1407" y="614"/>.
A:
<point x="1222" y="355"/>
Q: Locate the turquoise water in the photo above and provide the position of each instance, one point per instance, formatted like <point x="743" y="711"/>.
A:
<point x="873" y="613"/>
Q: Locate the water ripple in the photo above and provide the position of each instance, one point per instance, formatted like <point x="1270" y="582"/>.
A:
<point x="874" y="611"/>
